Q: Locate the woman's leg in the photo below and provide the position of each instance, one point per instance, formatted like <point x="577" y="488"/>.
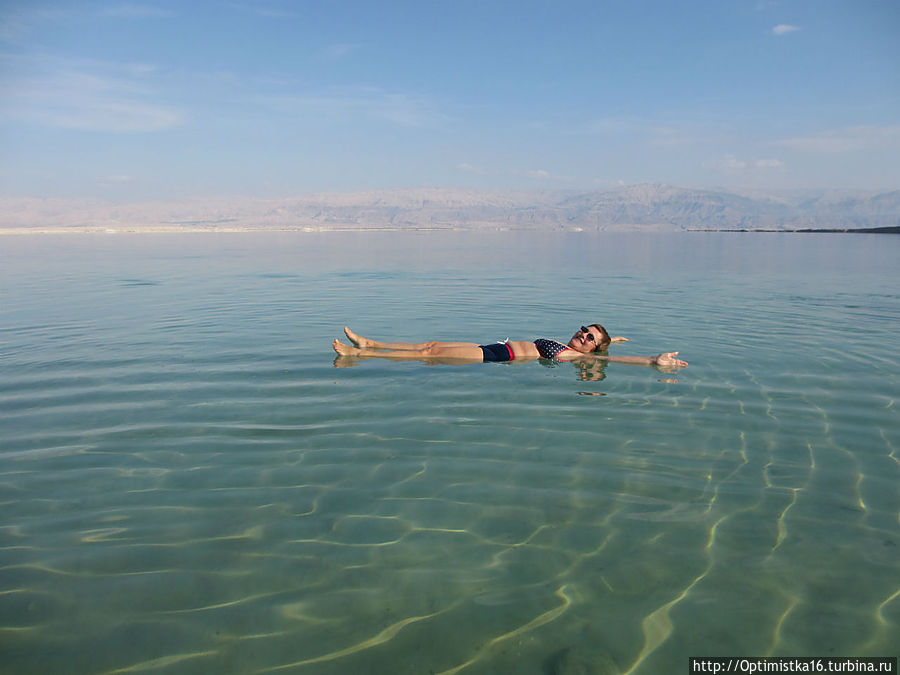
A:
<point x="440" y="351"/>
<point x="366" y="343"/>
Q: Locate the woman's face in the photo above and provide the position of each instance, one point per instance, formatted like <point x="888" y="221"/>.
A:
<point x="585" y="340"/>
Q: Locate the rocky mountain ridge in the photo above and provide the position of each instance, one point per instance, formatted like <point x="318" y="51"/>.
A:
<point x="639" y="207"/>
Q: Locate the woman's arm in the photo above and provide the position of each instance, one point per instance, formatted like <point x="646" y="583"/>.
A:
<point x="665" y="360"/>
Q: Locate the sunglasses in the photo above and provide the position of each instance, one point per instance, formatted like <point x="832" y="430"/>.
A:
<point x="587" y="334"/>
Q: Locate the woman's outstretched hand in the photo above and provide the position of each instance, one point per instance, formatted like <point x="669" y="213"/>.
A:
<point x="668" y="360"/>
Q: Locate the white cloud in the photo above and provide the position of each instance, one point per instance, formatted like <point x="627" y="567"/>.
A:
<point x="469" y="168"/>
<point x="338" y="51"/>
<point x="673" y="136"/>
<point x="610" y="125"/>
<point x="84" y="95"/>
<point x="666" y="134"/>
<point x="114" y="182"/>
<point x="784" y="29"/>
<point x="846" y="139"/>
<point x="403" y="109"/>
<point x="267" y="12"/>
<point x="136" y="11"/>
<point x="545" y="176"/>
<point x="110" y="117"/>
<point x="16" y="23"/>
<point x="732" y="163"/>
<point x="399" y="108"/>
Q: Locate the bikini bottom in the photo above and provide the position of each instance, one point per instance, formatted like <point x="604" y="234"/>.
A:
<point x="499" y="351"/>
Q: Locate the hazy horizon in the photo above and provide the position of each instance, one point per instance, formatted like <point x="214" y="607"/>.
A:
<point x="648" y="207"/>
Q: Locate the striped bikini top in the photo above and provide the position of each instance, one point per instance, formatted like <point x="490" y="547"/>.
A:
<point x="549" y="349"/>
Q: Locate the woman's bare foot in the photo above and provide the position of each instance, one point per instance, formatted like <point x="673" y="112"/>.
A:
<point x="344" y="350"/>
<point x="358" y="340"/>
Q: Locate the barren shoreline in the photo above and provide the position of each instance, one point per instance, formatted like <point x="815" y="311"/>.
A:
<point x="150" y="230"/>
<point x="155" y="229"/>
<point x="654" y="208"/>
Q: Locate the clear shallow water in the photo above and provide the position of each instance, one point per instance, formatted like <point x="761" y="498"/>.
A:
<point x="188" y="484"/>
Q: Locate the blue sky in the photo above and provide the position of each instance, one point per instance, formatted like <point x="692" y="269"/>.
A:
<point x="159" y="100"/>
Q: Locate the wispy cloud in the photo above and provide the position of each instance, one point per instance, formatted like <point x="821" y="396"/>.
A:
<point x="99" y="114"/>
<point x="605" y="126"/>
<point x="267" y="11"/>
<point x="470" y="168"/>
<point x="115" y="182"/>
<point x="399" y="108"/>
<point x="338" y="51"/>
<point x="846" y="139"/>
<point x="784" y="29"/>
<point x="544" y="177"/>
<point x="84" y="95"/>
<point x="16" y="23"/>
<point x="405" y="110"/>
<point x="658" y="134"/>
<point x="672" y="135"/>
<point x="130" y="10"/>
<point x="731" y="163"/>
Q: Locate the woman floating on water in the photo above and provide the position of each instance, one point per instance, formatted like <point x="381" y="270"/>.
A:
<point x="584" y="345"/>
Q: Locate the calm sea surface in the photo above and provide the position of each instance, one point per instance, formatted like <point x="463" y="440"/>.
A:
<point x="189" y="484"/>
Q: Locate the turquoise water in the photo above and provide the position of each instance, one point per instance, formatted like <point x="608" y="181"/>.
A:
<point x="189" y="484"/>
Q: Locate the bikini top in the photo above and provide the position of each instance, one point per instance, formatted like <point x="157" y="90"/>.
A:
<point x="549" y="349"/>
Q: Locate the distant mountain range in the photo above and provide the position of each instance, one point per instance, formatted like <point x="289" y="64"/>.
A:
<point x="638" y="207"/>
